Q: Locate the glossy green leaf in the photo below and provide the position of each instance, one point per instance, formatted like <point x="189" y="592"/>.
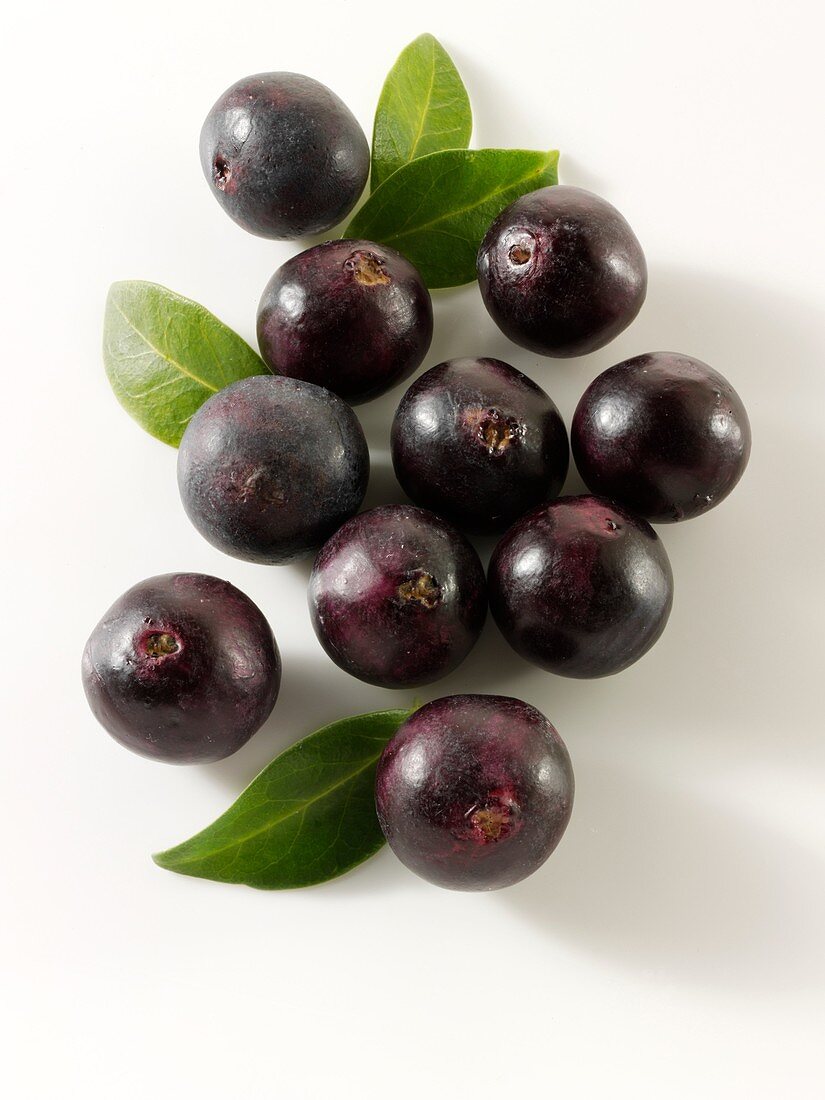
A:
<point x="423" y="109"/>
<point x="308" y="817"/>
<point x="165" y="355"/>
<point x="437" y="209"/>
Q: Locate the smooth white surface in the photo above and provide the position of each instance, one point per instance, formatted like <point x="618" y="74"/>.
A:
<point x="673" y="946"/>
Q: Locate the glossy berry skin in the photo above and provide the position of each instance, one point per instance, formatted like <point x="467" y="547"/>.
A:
<point x="474" y="791"/>
<point x="664" y="434"/>
<point x="182" y="668"/>
<point x="581" y="587"/>
<point x="283" y="155"/>
<point x="269" y="467"/>
<point x="476" y="441"/>
<point x="397" y="597"/>
<point x="561" y="272"/>
<point x="350" y="315"/>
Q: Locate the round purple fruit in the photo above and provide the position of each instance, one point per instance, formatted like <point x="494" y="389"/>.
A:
<point x="561" y="272"/>
<point x="397" y="597"/>
<point x="350" y="315"/>
<point x="662" y="433"/>
<point x="283" y="155"/>
<point x="474" y="791"/>
<point x="182" y="668"/>
<point x="581" y="587"/>
<point x="479" y="443"/>
<point x="269" y="467"/>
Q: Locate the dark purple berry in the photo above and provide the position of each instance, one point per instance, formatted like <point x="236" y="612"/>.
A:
<point x="664" y="434"/>
<point x="476" y="441"/>
<point x="561" y="272"/>
<point x="182" y="668"/>
<point x="269" y="467"/>
<point x="349" y="315"/>
<point x="283" y="155"/>
<point x="397" y="597"/>
<point x="474" y="791"/>
<point x="581" y="587"/>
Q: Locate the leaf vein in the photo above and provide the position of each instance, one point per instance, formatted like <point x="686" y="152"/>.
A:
<point x="237" y="842"/>
<point x="161" y="355"/>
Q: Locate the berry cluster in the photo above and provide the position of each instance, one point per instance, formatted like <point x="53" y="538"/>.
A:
<point x="473" y="791"/>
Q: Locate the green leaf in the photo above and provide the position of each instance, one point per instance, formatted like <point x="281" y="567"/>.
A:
<point x="308" y="817"/>
<point x="437" y="209"/>
<point x="423" y="109"/>
<point x="165" y="355"/>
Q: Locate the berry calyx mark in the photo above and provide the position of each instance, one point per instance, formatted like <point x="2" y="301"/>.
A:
<point x="491" y="823"/>
<point x="521" y="247"/>
<point x="519" y="254"/>
<point x="494" y="819"/>
<point x="222" y="173"/>
<point x="161" y="645"/>
<point x="421" y="588"/>
<point x="497" y="436"/>
<point x="367" y="268"/>
<point x="495" y="431"/>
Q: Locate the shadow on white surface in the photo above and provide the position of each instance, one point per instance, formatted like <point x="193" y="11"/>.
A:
<point x="669" y="882"/>
<point x="313" y="693"/>
<point x="383" y="487"/>
<point x="662" y="870"/>
<point x="758" y="338"/>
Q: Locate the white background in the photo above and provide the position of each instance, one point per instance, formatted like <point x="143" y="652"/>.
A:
<point x="673" y="946"/>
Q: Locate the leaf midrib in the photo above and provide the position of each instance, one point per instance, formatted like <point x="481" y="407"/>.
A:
<point x="449" y="215"/>
<point x="426" y="111"/>
<point x="301" y="809"/>
<point x="160" y="354"/>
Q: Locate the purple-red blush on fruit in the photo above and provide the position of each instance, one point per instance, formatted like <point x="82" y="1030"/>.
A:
<point x="474" y="791"/>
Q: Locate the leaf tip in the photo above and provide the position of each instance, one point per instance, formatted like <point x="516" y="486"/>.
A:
<point x="165" y="859"/>
<point x="120" y="284"/>
<point x="114" y="290"/>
